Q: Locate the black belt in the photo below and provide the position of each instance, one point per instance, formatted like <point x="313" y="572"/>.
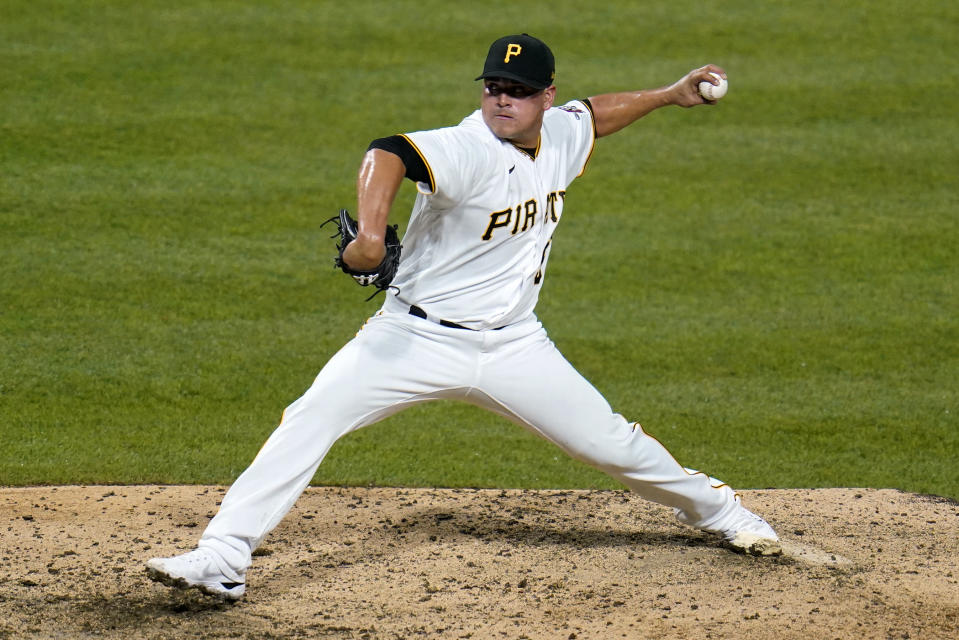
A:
<point x="419" y="313"/>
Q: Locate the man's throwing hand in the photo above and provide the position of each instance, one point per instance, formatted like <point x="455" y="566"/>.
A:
<point x="685" y="92"/>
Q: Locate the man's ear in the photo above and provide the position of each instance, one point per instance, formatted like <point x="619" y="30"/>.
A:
<point x="549" y="94"/>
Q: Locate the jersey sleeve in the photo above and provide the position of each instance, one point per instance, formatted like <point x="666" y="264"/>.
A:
<point x="400" y="147"/>
<point x="454" y="159"/>
<point x="574" y="131"/>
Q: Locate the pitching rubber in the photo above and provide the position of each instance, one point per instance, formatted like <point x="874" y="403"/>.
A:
<point x="755" y="545"/>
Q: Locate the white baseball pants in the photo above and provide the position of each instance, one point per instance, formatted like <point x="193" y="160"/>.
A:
<point x="397" y="360"/>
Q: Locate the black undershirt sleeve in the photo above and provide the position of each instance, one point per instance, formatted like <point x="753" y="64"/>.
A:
<point x="399" y="146"/>
<point x="592" y="114"/>
<point x="589" y="105"/>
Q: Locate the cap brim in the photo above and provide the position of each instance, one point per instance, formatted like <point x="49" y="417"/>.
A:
<point x="512" y="76"/>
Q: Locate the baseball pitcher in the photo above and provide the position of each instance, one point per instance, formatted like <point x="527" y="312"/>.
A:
<point x="457" y="320"/>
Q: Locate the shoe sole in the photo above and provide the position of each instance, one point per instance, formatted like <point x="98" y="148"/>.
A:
<point x="754" y="545"/>
<point x="177" y="582"/>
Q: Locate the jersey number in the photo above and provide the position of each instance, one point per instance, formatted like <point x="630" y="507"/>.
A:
<point x="542" y="261"/>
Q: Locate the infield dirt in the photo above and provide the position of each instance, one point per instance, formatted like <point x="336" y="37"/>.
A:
<point x="462" y="563"/>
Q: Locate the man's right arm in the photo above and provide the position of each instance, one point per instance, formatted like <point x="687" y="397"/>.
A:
<point x="380" y="176"/>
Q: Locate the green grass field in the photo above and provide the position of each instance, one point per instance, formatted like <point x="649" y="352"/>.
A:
<point x="770" y="286"/>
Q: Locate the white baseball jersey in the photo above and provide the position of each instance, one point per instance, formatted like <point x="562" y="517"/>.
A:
<point x="476" y="247"/>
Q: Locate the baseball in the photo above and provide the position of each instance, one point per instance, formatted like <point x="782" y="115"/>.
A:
<point x="713" y="91"/>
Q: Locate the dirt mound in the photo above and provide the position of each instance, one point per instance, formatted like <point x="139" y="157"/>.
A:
<point x="422" y="563"/>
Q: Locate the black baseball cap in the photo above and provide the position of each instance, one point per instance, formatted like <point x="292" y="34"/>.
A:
<point x="522" y="58"/>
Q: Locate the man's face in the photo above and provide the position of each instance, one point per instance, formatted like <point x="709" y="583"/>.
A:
<point x="514" y="111"/>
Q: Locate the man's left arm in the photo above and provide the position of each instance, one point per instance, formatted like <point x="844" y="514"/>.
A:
<point x="614" y="111"/>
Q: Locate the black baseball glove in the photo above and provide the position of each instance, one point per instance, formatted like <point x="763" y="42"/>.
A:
<point x="382" y="275"/>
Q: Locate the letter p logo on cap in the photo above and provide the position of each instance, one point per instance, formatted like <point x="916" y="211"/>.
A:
<point x="512" y="50"/>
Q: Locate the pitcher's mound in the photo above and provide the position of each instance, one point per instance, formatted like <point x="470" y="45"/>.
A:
<point x="425" y="563"/>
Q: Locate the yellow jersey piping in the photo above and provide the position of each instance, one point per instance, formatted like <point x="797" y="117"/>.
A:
<point x="429" y="169"/>
<point x="592" y="145"/>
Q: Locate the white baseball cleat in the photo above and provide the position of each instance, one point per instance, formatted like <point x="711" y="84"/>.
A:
<point x="744" y="531"/>
<point x="751" y="534"/>
<point x="197" y="569"/>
